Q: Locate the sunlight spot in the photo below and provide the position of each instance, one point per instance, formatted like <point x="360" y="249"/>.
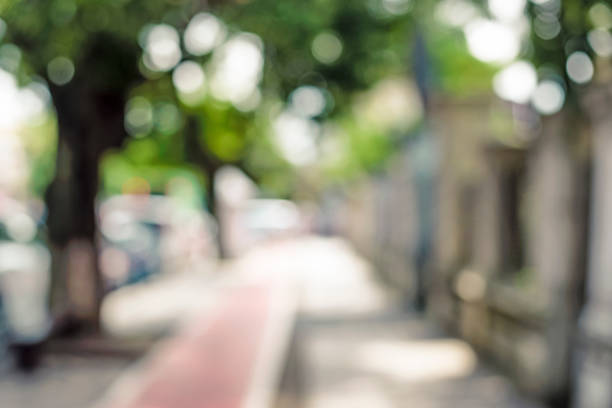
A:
<point x="456" y="13"/>
<point x="162" y="50"/>
<point x="34" y="100"/>
<point x="579" y="67"/>
<point x="295" y="137"/>
<point x="188" y="77"/>
<point x="21" y="106"/>
<point x="21" y="227"/>
<point x="548" y="97"/>
<point x="62" y="12"/>
<point x="516" y="82"/>
<point x="10" y="57"/>
<point x="507" y="10"/>
<point x="417" y="361"/>
<point x="601" y="42"/>
<point x="308" y="101"/>
<point x="491" y="41"/>
<point x="60" y="70"/>
<point x="138" y="116"/>
<point x="250" y="103"/>
<point x="547" y="6"/>
<point x="234" y="187"/>
<point x="8" y="94"/>
<point x="397" y="7"/>
<point x="204" y="32"/>
<point x="333" y="144"/>
<point x="470" y="286"/>
<point x="601" y="16"/>
<point x="2" y="28"/>
<point x="546" y="26"/>
<point x="167" y="117"/>
<point x="353" y="393"/>
<point x="392" y="103"/>
<point x="327" y="47"/>
<point x="237" y="67"/>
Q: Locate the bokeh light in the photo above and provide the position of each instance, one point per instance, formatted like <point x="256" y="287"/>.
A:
<point x="308" y="101"/>
<point x="601" y="16"/>
<point x="20" y="106"/>
<point x="397" y="7"/>
<point x="189" y="80"/>
<point x="295" y="137"/>
<point x="547" y="26"/>
<point x="579" y="67"/>
<point x="167" y="117"/>
<point x="237" y="67"/>
<point x="60" y="70"/>
<point x="549" y="97"/>
<point x="507" y="10"/>
<point x="62" y="11"/>
<point x="251" y="102"/>
<point x="547" y="6"/>
<point x="516" y="82"/>
<point x="139" y="116"/>
<point x="10" y="57"/>
<point x="391" y="104"/>
<point x="327" y="47"/>
<point x="2" y="28"/>
<point x="491" y="41"/>
<point x="456" y="13"/>
<point x="188" y="77"/>
<point x="601" y="42"/>
<point x="167" y="153"/>
<point x="162" y="50"/>
<point x="21" y="227"/>
<point x="14" y="172"/>
<point x="203" y="33"/>
<point x="34" y="101"/>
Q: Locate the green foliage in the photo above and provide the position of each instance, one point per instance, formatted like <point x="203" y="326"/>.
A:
<point x="301" y="40"/>
<point x="457" y="72"/>
<point x="357" y="148"/>
<point x="40" y="145"/>
<point x="121" y="170"/>
<point x="373" y="45"/>
<point x="49" y="28"/>
<point x="550" y="55"/>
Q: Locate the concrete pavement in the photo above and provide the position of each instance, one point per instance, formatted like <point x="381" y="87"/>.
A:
<point x="352" y="346"/>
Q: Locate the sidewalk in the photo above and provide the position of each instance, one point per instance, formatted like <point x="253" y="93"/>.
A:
<point x="391" y="360"/>
<point x="351" y="347"/>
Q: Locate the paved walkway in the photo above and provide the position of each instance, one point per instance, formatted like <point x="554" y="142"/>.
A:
<point x="391" y="360"/>
<point x="213" y="360"/>
<point x="352" y="347"/>
<point x="63" y="381"/>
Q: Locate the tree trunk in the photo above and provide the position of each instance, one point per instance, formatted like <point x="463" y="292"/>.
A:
<point x="198" y="154"/>
<point x="71" y="222"/>
<point x="90" y="112"/>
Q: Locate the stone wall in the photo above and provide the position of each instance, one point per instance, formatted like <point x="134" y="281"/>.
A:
<point x="510" y="259"/>
<point x="504" y="226"/>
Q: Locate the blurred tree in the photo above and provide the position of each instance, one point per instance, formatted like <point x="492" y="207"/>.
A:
<point x="564" y="40"/>
<point x="568" y="40"/>
<point x="115" y="64"/>
<point x="342" y="49"/>
<point x="313" y="46"/>
<point x="88" y="54"/>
